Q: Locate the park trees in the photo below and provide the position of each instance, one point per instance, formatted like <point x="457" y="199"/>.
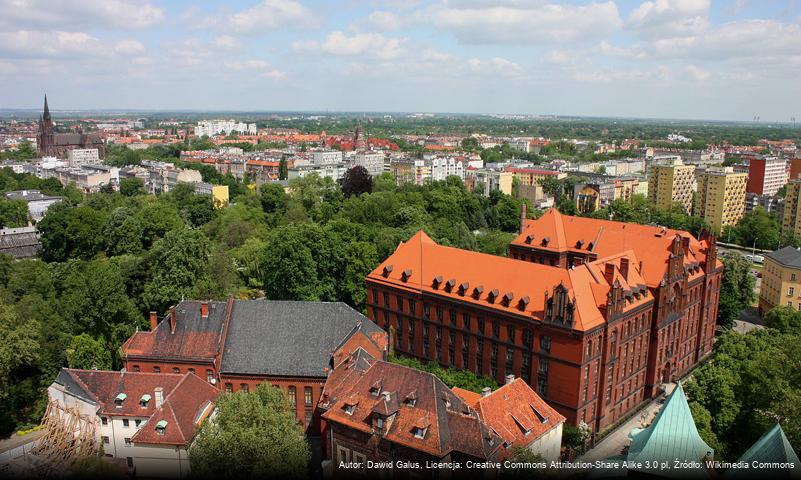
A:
<point x="356" y="181"/>
<point x="736" y="288"/>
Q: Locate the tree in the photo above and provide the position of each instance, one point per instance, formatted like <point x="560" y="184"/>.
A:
<point x="132" y="186"/>
<point x="784" y="319"/>
<point x="71" y="232"/>
<point x="13" y="213"/>
<point x="177" y="262"/>
<point x="273" y="198"/>
<point x="252" y="435"/>
<point x="283" y="171"/>
<point x="87" y="353"/>
<point x="736" y="289"/>
<point x="356" y="181"/>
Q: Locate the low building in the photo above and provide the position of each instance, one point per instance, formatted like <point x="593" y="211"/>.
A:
<point x="373" y="162"/>
<point x="486" y="181"/>
<point x="334" y="171"/>
<point x="85" y="180"/>
<point x="238" y="344"/>
<point x="772" y="204"/>
<point x="78" y="157"/>
<point x="38" y="203"/>
<point x="148" y="419"/>
<point x="781" y="280"/>
<point x="219" y="193"/>
<point x="20" y="242"/>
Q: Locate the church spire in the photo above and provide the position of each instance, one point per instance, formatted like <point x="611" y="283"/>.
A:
<point x="46" y="115"/>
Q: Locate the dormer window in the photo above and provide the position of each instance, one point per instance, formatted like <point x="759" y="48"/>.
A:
<point x="119" y="400"/>
<point x="349" y="409"/>
<point x="375" y="389"/>
<point x="523" y="303"/>
<point x="419" y="432"/>
<point x="492" y="295"/>
<point x="379" y="422"/>
<point x="545" y="241"/>
<point x="411" y="399"/>
<point x="406" y="274"/>
<point x="478" y="291"/>
<point x="529" y="238"/>
<point x="463" y="288"/>
<point x="161" y="427"/>
<point x="144" y="400"/>
<point x="450" y="284"/>
<point x="437" y="281"/>
<point x="507" y="298"/>
<point x="387" y="271"/>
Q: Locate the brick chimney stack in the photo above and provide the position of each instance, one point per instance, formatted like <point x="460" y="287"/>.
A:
<point x="624" y="267"/>
<point x="154" y="321"/>
<point x="172" y="319"/>
<point x="522" y="217"/>
<point x="510" y="378"/>
<point x="204" y="309"/>
<point x="159" y="395"/>
<point x="485" y="392"/>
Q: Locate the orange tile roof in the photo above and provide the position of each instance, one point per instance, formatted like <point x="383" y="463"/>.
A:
<point x="422" y="265"/>
<point x="515" y="412"/>
<point x="651" y="244"/>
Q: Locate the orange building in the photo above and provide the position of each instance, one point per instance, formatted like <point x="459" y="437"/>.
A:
<point x="594" y="318"/>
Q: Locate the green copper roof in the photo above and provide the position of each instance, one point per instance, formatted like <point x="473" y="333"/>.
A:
<point x="672" y="436"/>
<point x="772" y="447"/>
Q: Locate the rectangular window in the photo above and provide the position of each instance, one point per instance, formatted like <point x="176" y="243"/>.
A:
<point x="400" y="303"/>
<point x="127" y="442"/>
<point x="126" y="423"/>
<point x="104" y="420"/>
<point x="244" y="387"/>
<point x="412" y="307"/>
<point x="129" y="461"/>
<point x="229" y="387"/>
<point x="135" y="368"/>
<point x="452" y="347"/>
<point x="308" y="418"/>
<point x="307" y="396"/>
<point x="545" y="343"/>
<point x="440" y="314"/>
<point x="106" y="440"/>
<point x="156" y="369"/>
<point x="527" y="338"/>
<point x="453" y="317"/>
<point x="790" y="291"/>
<point x="209" y="375"/>
<point x="426" y="310"/>
<point x="481" y="325"/>
<point x="496" y="329"/>
<point x="510" y="355"/>
<point x="510" y="331"/>
<point x="293" y="397"/>
<point x="386" y="299"/>
<point x="466" y="321"/>
<point x="792" y="277"/>
<point x="137" y="423"/>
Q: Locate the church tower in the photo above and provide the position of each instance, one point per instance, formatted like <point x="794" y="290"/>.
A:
<point x="44" y="139"/>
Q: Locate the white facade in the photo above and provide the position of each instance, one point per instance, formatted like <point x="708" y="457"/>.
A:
<point x="372" y="161"/>
<point x="79" y="157"/>
<point x="443" y="167"/>
<point x="775" y="175"/>
<point x="332" y="171"/>
<point x="520" y="144"/>
<point x="214" y="127"/>
<point x="326" y="157"/>
<point x="548" y="445"/>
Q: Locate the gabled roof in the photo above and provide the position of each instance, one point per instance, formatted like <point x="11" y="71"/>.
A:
<point x="772" y="447"/>
<point x="516" y="413"/>
<point x="651" y="244"/>
<point x="787" y="256"/>
<point x="671" y="436"/>
<point x="284" y="338"/>
<point x="448" y="422"/>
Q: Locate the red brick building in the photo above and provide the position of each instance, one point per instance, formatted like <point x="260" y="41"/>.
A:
<point x="594" y="318"/>
<point x="238" y="344"/>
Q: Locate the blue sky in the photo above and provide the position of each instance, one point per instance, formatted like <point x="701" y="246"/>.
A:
<point x="657" y="58"/>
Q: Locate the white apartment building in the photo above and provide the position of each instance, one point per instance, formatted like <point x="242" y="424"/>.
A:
<point x="372" y="161"/>
<point x="521" y="144"/>
<point x="443" y="167"/>
<point x="215" y="127"/>
<point x="79" y="157"/>
<point x="326" y="157"/>
<point x="333" y="171"/>
<point x="148" y="419"/>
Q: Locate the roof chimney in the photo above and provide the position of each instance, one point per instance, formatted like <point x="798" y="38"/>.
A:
<point x="609" y="272"/>
<point x="624" y="267"/>
<point x="204" y="309"/>
<point x="485" y="392"/>
<point x="159" y="395"/>
<point x="509" y="379"/>
<point x="522" y="217"/>
<point x="172" y="319"/>
<point x="154" y="321"/>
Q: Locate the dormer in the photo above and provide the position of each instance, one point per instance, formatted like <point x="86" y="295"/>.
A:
<point x="375" y="389"/>
<point x="529" y="239"/>
<point x="477" y="291"/>
<point x="523" y="303"/>
<point x="161" y="427"/>
<point x="144" y="400"/>
<point x="411" y="399"/>
<point x="450" y="284"/>
<point x="406" y="275"/>
<point x="580" y="244"/>
<point x="507" y="298"/>
<point x="463" y="288"/>
<point x="545" y="241"/>
<point x="349" y="406"/>
<point x="419" y="432"/>
<point x="436" y="282"/>
<point x="492" y="295"/>
<point x="119" y="399"/>
<point x="387" y="270"/>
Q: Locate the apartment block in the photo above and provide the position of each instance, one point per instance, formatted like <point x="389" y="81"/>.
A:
<point x="671" y="181"/>
<point x="766" y="175"/>
<point x="791" y="219"/>
<point x="721" y="197"/>
<point x="781" y="280"/>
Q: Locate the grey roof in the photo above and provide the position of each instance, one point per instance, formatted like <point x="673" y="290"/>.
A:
<point x="30" y="195"/>
<point x="283" y="338"/>
<point x="787" y="256"/>
<point x="20" y="242"/>
<point x="72" y="387"/>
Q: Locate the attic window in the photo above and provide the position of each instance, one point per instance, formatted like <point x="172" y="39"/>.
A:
<point x="492" y="295"/>
<point x="406" y="274"/>
<point x="375" y="389"/>
<point x="478" y="291"/>
<point x="529" y="238"/>
<point x="419" y="432"/>
<point x="411" y="399"/>
<point x="437" y="281"/>
<point x="450" y="284"/>
<point x="463" y="288"/>
<point x="119" y="399"/>
<point x="161" y="426"/>
<point x="545" y="241"/>
<point x="387" y="271"/>
<point x="507" y="298"/>
<point x="144" y="400"/>
<point x="349" y="409"/>
<point x="523" y="303"/>
<point x="580" y="244"/>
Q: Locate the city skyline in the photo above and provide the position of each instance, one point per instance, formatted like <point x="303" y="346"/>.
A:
<point x="682" y="59"/>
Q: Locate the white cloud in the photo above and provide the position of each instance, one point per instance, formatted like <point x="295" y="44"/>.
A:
<point x="524" y="22"/>
<point x="372" y="45"/>
<point x="129" y="47"/>
<point x="669" y="18"/>
<point x="44" y="14"/>
<point x="259" y="67"/>
<point x="264" y="17"/>
<point x="497" y="67"/>
<point x="33" y="44"/>
<point x="381" y="21"/>
<point x="697" y="73"/>
<point x="227" y="41"/>
<point x="7" y="68"/>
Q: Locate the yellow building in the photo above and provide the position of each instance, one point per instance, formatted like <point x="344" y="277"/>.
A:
<point x="791" y="221"/>
<point x="669" y="181"/>
<point x="781" y="280"/>
<point x="219" y="195"/>
<point x="720" y="199"/>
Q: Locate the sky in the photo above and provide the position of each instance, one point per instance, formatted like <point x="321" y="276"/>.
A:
<point x="694" y="59"/>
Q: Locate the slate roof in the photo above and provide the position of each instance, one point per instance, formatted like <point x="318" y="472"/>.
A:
<point x="287" y="338"/>
<point x="671" y="436"/>
<point x="787" y="256"/>
<point x="20" y="242"/>
<point x="772" y="447"/>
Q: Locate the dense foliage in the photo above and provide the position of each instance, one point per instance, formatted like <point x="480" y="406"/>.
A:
<point x="252" y="435"/>
<point x="450" y="376"/>
<point x="751" y="382"/>
<point x="736" y="288"/>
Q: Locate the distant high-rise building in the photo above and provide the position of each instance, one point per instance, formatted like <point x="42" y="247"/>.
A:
<point x="49" y="143"/>
<point x="791" y="219"/>
<point x="766" y="175"/>
<point x="721" y="197"/>
<point x="671" y="181"/>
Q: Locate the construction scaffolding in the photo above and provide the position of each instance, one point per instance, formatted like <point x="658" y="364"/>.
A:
<point x="68" y="437"/>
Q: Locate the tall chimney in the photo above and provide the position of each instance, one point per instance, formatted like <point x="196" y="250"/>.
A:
<point x="485" y="392"/>
<point x="204" y="309"/>
<point x="154" y="321"/>
<point x="159" y="394"/>
<point x="522" y="217"/>
<point x="609" y="272"/>
<point x="172" y="319"/>
<point x="624" y="267"/>
<point x="510" y="378"/>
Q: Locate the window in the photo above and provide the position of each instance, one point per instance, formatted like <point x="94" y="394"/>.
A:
<point x="135" y="368"/>
<point x="244" y="387"/>
<point x="176" y="370"/>
<point x="127" y="442"/>
<point x="440" y="314"/>
<point x="792" y="277"/>
<point x="527" y="338"/>
<point x="386" y="299"/>
<point x="129" y="461"/>
<point x="308" y="418"/>
<point x="496" y="329"/>
<point x="293" y="397"/>
<point x="400" y="303"/>
<point x="426" y="310"/>
<point x="137" y="422"/>
<point x="412" y="306"/>
<point x="481" y="325"/>
<point x="466" y="321"/>
<point x="307" y="395"/>
<point x="510" y="332"/>
<point x="349" y="409"/>
<point x="229" y="387"/>
<point x="209" y="376"/>
<point x="510" y="355"/>
<point x="419" y="432"/>
<point x="545" y="343"/>
<point x="453" y="317"/>
<point x="156" y="369"/>
<point x="126" y="423"/>
<point x="452" y="347"/>
<point x="106" y="440"/>
<point x="343" y="454"/>
<point x="104" y="420"/>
